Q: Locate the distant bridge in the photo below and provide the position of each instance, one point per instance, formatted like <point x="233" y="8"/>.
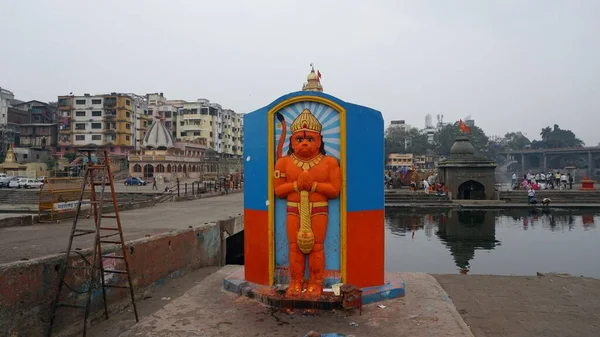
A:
<point x="556" y="159"/>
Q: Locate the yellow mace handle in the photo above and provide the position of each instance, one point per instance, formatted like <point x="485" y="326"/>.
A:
<point x="305" y="237"/>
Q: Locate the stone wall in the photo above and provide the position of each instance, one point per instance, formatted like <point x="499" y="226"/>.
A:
<point x="453" y="177"/>
<point x="28" y="288"/>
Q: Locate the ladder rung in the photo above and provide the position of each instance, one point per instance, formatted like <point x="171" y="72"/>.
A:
<point x="109" y="216"/>
<point x="113" y="257"/>
<point x="108" y="241"/>
<point x="78" y="268"/>
<point x="80" y="232"/>
<point x="108" y="271"/>
<point x="109" y="235"/>
<point x="115" y="286"/>
<point x="99" y="184"/>
<point x="96" y="167"/>
<point x="71" y="305"/>
<point x="109" y="228"/>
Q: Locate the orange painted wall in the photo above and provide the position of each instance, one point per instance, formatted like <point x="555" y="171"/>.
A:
<point x="365" y="248"/>
<point x="256" y="246"/>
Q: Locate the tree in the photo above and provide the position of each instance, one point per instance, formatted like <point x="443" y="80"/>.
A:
<point x="51" y="163"/>
<point x="556" y="137"/>
<point x="417" y="142"/>
<point x="515" y="141"/>
<point x="398" y="140"/>
<point x="445" y="136"/>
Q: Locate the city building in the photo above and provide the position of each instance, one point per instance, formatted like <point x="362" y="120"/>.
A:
<point x="158" y="105"/>
<point x="6" y="97"/>
<point x="396" y="161"/>
<point x="34" y="124"/>
<point x="164" y="159"/>
<point x="400" y="124"/>
<point x="105" y="121"/>
<point x="7" y="135"/>
<point x="140" y="120"/>
<point x="221" y="129"/>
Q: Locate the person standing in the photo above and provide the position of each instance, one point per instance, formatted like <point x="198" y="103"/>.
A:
<point x="570" y="180"/>
<point x="426" y="186"/>
<point x="154" y="187"/>
<point x="531" y="196"/>
<point x="557" y="179"/>
<point x="563" y="181"/>
<point x="514" y="180"/>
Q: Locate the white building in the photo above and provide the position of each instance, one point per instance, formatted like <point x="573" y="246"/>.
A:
<point x="203" y="121"/>
<point x="401" y="124"/>
<point x="6" y="96"/>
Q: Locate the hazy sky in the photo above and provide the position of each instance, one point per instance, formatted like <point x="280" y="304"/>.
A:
<point x="511" y="65"/>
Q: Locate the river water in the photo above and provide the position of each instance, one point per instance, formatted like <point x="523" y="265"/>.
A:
<point x="500" y="242"/>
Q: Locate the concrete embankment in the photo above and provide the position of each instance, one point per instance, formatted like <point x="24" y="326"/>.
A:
<point x="163" y="242"/>
<point x="28" y="288"/>
<point x="572" y="199"/>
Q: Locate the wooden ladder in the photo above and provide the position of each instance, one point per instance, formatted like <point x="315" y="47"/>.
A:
<point x="107" y="238"/>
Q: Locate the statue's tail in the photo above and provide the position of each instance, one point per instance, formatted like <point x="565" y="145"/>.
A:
<point x="282" y="136"/>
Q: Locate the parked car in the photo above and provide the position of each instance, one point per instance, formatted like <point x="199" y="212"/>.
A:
<point x="32" y="183"/>
<point x="4" y="180"/>
<point x="133" y="181"/>
<point x="15" y="183"/>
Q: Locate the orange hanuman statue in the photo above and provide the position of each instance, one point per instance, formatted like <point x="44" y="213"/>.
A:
<point x="307" y="178"/>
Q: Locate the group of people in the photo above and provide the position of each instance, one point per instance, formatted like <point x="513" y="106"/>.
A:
<point x="436" y="187"/>
<point x="541" y="181"/>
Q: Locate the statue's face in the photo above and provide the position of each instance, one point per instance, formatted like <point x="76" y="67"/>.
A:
<point x="306" y="144"/>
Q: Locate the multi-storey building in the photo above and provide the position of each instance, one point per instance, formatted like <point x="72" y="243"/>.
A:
<point x="106" y="121"/>
<point x="35" y="124"/>
<point x="140" y="120"/>
<point x="159" y="106"/>
<point x="221" y="129"/>
<point x="7" y="135"/>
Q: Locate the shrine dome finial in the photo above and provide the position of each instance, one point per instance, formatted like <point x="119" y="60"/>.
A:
<point x="313" y="83"/>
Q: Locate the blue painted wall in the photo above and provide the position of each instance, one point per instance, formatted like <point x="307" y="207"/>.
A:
<point x="364" y="168"/>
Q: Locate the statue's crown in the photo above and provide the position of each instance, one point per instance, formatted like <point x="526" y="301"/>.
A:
<point x="306" y="121"/>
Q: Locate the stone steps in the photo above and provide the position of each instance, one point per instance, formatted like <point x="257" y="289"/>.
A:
<point x="416" y="197"/>
<point x="583" y="197"/>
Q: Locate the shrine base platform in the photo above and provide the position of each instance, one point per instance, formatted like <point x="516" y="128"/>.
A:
<point x="274" y="296"/>
<point x="208" y="310"/>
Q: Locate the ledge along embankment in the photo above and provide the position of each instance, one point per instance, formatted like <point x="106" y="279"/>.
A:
<point x="572" y="199"/>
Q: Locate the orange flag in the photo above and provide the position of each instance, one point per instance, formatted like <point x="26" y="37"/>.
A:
<point x="464" y="127"/>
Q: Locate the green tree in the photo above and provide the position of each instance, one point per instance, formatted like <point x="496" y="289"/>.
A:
<point x="444" y="139"/>
<point x="51" y="162"/>
<point x="397" y="140"/>
<point x="515" y="141"/>
<point x="556" y="137"/>
<point x="417" y="142"/>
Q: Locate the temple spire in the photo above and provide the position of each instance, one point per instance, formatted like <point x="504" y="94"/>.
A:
<point x="312" y="81"/>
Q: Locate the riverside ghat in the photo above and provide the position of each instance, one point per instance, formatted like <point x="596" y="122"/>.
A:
<point x="314" y="204"/>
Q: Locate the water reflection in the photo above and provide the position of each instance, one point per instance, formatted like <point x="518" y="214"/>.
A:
<point x="463" y="232"/>
<point x="538" y="240"/>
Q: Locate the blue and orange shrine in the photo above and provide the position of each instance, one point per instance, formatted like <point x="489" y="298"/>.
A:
<point x="313" y="200"/>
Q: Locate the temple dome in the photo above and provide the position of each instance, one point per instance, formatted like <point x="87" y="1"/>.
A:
<point x="312" y="82"/>
<point x="158" y="136"/>
<point x="462" y="146"/>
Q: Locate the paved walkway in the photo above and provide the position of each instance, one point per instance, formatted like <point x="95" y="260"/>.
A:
<point x="34" y="241"/>
<point x="207" y="310"/>
<point x="548" y="306"/>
